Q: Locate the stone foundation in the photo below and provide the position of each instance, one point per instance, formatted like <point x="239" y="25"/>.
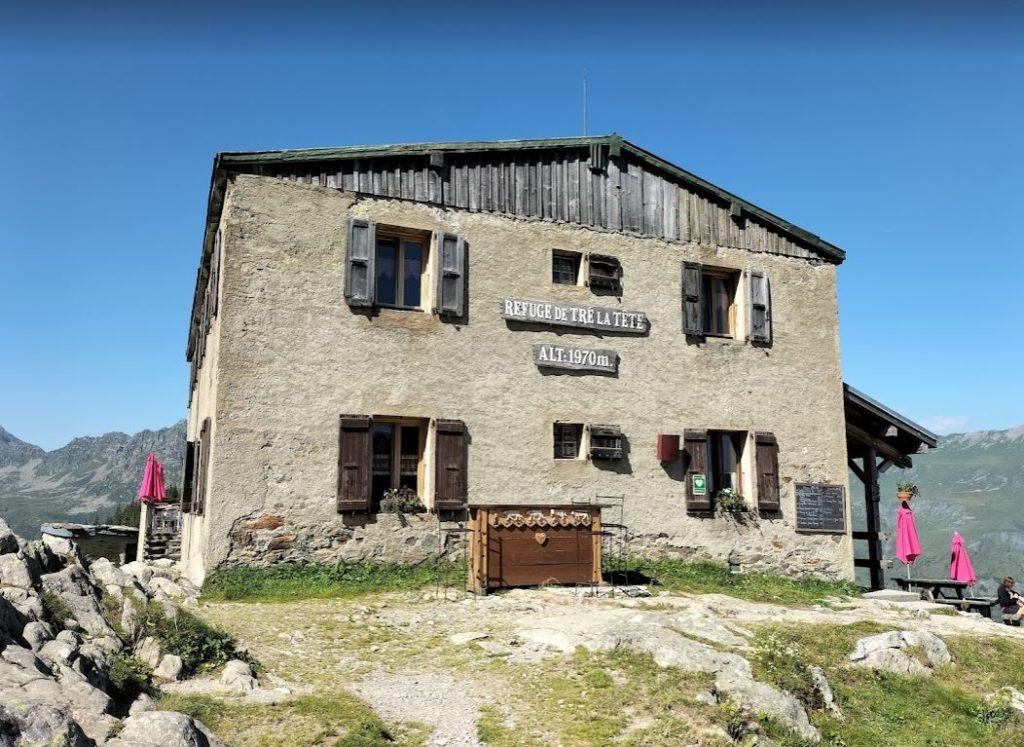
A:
<point x="406" y="539"/>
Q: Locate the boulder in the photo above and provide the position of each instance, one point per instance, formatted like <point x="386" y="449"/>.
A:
<point x="165" y="586"/>
<point x="57" y="652"/>
<point x="36" y="634"/>
<point x="169" y="668"/>
<point x="756" y="698"/>
<point x="16" y="571"/>
<point x="26" y="601"/>
<point x="163" y="729"/>
<point x="106" y="573"/>
<point x="26" y="659"/>
<point x="824" y="690"/>
<point x="59" y="545"/>
<point x="74" y="588"/>
<point x="142" y="704"/>
<point x="238" y="676"/>
<point x="140" y="571"/>
<point x="39" y="725"/>
<point x="1010" y="697"/>
<point x="148" y="651"/>
<point x="886" y="652"/>
<point x="8" y="542"/>
<point x="12" y="622"/>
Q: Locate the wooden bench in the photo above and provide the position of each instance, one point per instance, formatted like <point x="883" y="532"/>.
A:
<point x="981" y="605"/>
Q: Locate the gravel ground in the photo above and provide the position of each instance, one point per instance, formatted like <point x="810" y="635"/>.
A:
<point x="438" y="700"/>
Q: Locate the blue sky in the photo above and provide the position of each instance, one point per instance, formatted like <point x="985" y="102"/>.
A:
<point x="894" y="134"/>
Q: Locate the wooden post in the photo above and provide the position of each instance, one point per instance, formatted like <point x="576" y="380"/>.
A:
<point x="872" y="499"/>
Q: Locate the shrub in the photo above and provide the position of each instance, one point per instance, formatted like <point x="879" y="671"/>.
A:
<point x="200" y="645"/>
<point x="400" y="500"/>
<point x="128" y="678"/>
<point x="55" y="609"/>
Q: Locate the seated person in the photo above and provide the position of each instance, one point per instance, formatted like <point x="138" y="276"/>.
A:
<point x="1009" y="600"/>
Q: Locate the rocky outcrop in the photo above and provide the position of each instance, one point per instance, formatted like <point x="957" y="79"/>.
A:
<point x="61" y="624"/>
<point x="888" y="652"/>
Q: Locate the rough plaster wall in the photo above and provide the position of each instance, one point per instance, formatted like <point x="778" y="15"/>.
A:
<point x="293" y="357"/>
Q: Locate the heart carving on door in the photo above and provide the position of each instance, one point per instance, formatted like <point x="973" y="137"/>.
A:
<point x="540" y="537"/>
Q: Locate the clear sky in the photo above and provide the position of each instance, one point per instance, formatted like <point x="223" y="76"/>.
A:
<point x="896" y="135"/>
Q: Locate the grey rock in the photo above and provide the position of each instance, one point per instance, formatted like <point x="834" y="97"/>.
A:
<point x="1008" y="696"/>
<point x="237" y="675"/>
<point x="8" y="542"/>
<point x="75" y="589"/>
<point x="461" y="639"/>
<point x="69" y="637"/>
<point x="140" y="571"/>
<point x="148" y="651"/>
<point x="169" y="668"/>
<point x="706" y="697"/>
<point x="59" y="545"/>
<point x="163" y="729"/>
<point x="142" y="704"/>
<point x="166" y="586"/>
<point x="26" y="659"/>
<point x="106" y="573"/>
<point x="755" y="698"/>
<point x="885" y="652"/>
<point x="36" y="634"/>
<point x="39" y="725"/>
<point x="12" y="622"/>
<point x="824" y="690"/>
<point x="57" y="652"/>
<point x="15" y="571"/>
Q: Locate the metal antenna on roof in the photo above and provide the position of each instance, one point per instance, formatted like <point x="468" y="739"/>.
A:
<point x="584" y="102"/>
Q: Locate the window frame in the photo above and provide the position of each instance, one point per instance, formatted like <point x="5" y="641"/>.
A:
<point x="396" y="424"/>
<point x="708" y="277"/>
<point x="556" y="441"/>
<point x="402" y="236"/>
<point x="577" y="261"/>
<point x="715" y="472"/>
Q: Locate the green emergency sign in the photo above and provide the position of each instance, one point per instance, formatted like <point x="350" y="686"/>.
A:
<point x="700" y="485"/>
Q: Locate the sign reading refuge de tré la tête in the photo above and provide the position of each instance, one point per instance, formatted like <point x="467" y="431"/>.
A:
<point x="574" y="315"/>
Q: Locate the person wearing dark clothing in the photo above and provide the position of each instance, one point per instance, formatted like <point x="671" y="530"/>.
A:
<point x="1009" y="600"/>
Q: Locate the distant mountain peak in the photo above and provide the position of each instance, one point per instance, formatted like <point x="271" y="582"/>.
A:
<point x="14" y="451"/>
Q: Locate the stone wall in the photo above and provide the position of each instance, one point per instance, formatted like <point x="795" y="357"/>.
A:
<point x="292" y="356"/>
<point x="409" y="539"/>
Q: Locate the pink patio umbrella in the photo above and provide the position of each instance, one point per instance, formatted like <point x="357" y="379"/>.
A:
<point x="908" y="548"/>
<point x="152" y="488"/>
<point x="960" y="568"/>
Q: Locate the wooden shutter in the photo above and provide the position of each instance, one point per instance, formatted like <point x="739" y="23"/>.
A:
<point x="450" y="459"/>
<point x="354" y="463"/>
<point x="451" y="275"/>
<point x="188" y="476"/>
<point x="214" y="288"/>
<point x="695" y="446"/>
<point x="693" y="301"/>
<point x="360" y="264"/>
<point x="199" y="505"/>
<point x="767" y="461"/>
<point x="760" y="308"/>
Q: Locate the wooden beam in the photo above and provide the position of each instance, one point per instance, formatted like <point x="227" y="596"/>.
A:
<point x="872" y="500"/>
<point x="870" y="536"/>
<point x="855" y="469"/>
<point x="866" y="563"/>
<point x="886" y="450"/>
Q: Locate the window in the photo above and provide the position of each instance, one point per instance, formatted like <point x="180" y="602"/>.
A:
<point x="604" y="272"/>
<point x="719" y="291"/>
<point x="397" y="452"/>
<point x="725" y="450"/>
<point x="568" y="438"/>
<point x="565" y="268"/>
<point x="400" y="262"/>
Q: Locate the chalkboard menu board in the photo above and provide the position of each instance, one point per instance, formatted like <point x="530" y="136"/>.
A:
<point x="820" y="508"/>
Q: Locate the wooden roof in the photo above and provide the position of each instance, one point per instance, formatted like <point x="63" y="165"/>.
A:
<point x="872" y="425"/>
<point x="601" y="182"/>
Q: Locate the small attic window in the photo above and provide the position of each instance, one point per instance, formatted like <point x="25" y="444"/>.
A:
<point x="604" y="272"/>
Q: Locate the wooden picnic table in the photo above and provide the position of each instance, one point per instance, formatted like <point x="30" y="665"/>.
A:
<point x="937" y="588"/>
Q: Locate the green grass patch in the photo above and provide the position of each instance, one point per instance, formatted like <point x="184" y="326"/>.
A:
<point x="713" y="578"/>
<point x="334" y="720"/>
<point x="282" y="583"/>
<point x="55" y="611"/>
<point x="128" y="678"/>
<point x="945" y="710"/>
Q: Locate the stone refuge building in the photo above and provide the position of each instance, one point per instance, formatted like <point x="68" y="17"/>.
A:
<point x="536" y="321"/>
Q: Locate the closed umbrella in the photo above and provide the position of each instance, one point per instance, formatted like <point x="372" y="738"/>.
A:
<point x="152" y="488"/>
<point x="960" y="568"/>
<point x="908" y="548"/>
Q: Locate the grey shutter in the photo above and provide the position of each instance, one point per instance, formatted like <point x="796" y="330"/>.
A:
<point x="451" y="275"/>
<point x="215" y="275"/>
<point x="693" y="301"/>
<point x="360" y="263"/>
<point x="760" y="307"/>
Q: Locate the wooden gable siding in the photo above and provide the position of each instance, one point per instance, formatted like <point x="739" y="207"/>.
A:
<point x="556" y="185"/>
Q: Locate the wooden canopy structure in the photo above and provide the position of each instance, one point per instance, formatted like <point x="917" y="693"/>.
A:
<point x="877" y="438"/>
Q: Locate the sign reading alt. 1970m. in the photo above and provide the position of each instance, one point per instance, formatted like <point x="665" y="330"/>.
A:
<point x="547" y="355"/>
<point x="574" y="315"/>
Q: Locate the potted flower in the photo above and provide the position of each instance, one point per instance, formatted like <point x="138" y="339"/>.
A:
<point x="906" y="490"/>
<point x="401" y="500"/>
<point x="729" y="501"/>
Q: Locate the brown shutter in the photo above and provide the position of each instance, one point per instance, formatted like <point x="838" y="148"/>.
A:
<point x="188" y="476"/>
<point x="693" y="303"/>
<point x="767" y="460"/>
<point x="450" y="458"/>
<point x="695" y="446"/>
<point x="215" y="277"/>
<point x="199" y="507"/>
<point x="760" y="308"/>
<point x="451" y="276"/>
<point x="354" y="463"/>
<point x="360" y="265"/>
